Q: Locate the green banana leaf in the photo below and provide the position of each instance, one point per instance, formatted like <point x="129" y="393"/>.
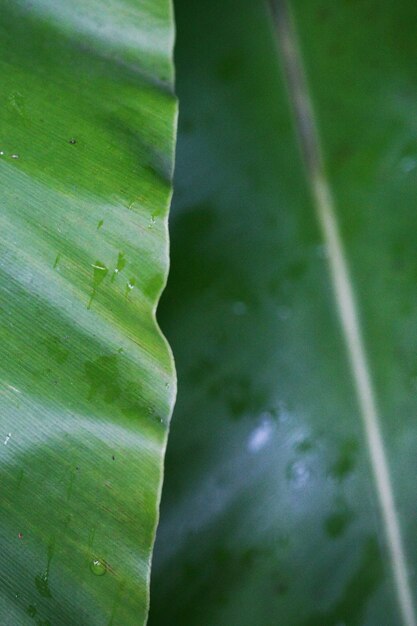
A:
<point x="275" y="510"/>
<point x="87" y="128"/>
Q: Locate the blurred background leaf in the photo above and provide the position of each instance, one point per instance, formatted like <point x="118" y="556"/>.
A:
<point x="270" y="514"/>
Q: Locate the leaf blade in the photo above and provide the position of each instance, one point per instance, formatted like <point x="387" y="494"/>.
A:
<point x="276" y="520"/>
<point x="87" y="379"/>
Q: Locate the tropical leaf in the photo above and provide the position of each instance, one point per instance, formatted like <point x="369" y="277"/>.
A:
<point x="87" y="382"/>
<point x="289" y="493"/>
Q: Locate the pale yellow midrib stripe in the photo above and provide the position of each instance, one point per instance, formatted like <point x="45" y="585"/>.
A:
<point x="345" y="302"/>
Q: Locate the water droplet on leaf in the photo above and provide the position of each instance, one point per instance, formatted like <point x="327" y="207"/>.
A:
<point x="100" y="272"/>
<point x="283" y="412"/>
<point x="98" y="567"/>
<point x="260" y="436"/>
<point x="42" y="580"/>
<point x="121" y="262"/>
<point x="298" y="473"/>
<point x="42" y="585"/>
<point x="130" y="285"/>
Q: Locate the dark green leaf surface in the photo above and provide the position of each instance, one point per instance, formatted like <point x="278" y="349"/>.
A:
<point x="87" y="383"/>
<point x="270" y="514"/>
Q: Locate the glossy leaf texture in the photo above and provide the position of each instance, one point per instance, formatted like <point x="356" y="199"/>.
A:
<point x="270" y="513"/>
<point x="87" y="129"/>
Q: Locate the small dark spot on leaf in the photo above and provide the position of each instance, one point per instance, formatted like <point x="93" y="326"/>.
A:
<point x="281" y="588"/>
<point x="346" y="461"/>
<point x="72" y="141"/>
<point x="336" y="523"/>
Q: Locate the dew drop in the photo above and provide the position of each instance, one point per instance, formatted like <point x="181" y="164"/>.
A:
<point x="152" y="222"/>
<point x="42" y="580"/>
<point x="130" y="285"/>
<point x="260" y="436"/>
<point x="98" y="567"/>
<point x="72" y="141"/>
<point x="100" y="272"/>
<point x="15" y="156"/>
<point x="298" y="474"/>
<point x="283" y="412"/>
<point x="1" y="153"/>
<point x="121" y="262"/>
<point x="42" y="584"/>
